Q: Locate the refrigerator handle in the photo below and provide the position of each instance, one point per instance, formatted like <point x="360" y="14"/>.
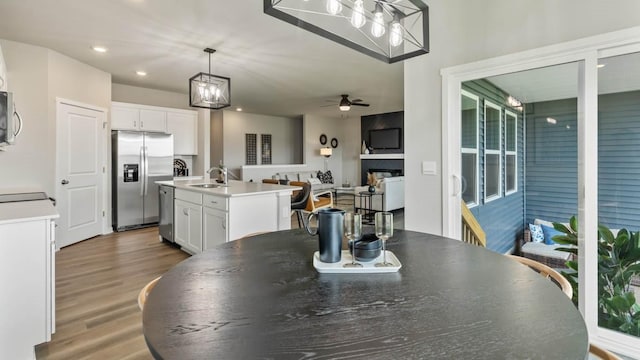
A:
<point x="142" y="170"/>
<point x="146" y="171"/>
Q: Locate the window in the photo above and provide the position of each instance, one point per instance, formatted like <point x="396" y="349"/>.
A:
<point x="469" y="148"/>
<point x="511" y="152"/>
<point x="492" y="152"/>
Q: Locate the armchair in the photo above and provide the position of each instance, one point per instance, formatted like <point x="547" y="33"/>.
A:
<point x="318" y="200"/>
<point x="393" y="193"/>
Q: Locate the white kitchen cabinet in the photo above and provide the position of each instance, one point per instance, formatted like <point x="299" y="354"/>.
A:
<point x="182" y="124"/>
<point x="215" y="228"/>
<point x="216" y="220"/>
<point x="153" y="120"/>
<point x="137" y="118"/>
<point x="188" y="220"/>
<point x="27" y="277"/>
<point x="184" y="127"/>
<point x="125" y="118"/>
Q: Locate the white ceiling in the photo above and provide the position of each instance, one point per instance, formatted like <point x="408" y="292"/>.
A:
<point x="275" y="68"/>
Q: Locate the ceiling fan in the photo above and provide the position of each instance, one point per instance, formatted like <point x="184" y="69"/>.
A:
<point x="345" y="104"/>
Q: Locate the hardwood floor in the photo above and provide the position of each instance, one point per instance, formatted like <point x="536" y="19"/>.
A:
<point x="97" y="283"/>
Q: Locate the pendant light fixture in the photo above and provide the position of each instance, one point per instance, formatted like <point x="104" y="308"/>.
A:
<point x="209" y="91"/>
<point x="397" y="29"/>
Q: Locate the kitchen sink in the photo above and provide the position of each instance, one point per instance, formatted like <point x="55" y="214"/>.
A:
<point x="206" y="186"/>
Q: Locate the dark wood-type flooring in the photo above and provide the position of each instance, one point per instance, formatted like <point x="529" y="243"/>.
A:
<point x="97" y="284"/>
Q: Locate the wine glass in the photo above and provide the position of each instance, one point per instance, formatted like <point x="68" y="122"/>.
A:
<point x="353" y="231"/>
<point x="384" y="230"/>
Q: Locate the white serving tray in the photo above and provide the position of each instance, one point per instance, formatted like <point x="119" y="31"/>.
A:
<point x="367" y="267"/>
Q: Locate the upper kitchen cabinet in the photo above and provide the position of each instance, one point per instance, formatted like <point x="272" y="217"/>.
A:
<point x="137" y="117"/>
<point x="184" y="127"/>
<point x="183" y="124"/>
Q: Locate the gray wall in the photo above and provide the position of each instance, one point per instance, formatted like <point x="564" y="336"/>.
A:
<point x="552" y="161"/>
<point x="37" y="76"/>
<point x="501" y="219"/>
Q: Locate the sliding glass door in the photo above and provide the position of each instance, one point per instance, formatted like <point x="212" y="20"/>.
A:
<point x="582" y="155"/>
<point x="619" y="196"/>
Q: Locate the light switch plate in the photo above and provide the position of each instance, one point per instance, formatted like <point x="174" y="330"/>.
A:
<point x="429" y="168"/>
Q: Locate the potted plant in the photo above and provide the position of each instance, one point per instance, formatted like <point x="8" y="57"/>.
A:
<point x="618" y="262"/>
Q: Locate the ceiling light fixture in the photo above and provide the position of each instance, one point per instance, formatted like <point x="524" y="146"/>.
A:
<point x="406" y="23"/>
<point x="100" y="49"/>
<point x="345" y="104"/>
<point x="209" y="91"/>
<point x="141" y="73"/>
<point x="600" y="66"/>
<point x="239" y="109"/>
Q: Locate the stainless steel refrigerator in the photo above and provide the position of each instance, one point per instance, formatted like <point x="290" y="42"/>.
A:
<point x="139" y="159"/>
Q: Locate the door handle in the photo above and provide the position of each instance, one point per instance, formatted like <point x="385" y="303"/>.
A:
<point x="64" y="182"/>
<point x="457" y="185"/>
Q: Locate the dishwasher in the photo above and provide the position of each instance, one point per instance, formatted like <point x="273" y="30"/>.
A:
<point x="165" y="223"/>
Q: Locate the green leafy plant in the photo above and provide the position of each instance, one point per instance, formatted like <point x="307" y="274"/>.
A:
<point x="618" y="262"/>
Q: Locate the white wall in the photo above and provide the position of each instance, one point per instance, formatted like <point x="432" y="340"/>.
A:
<point x="285" y="133"/>
<point x="146" y="96"/>
<point x="463" y="31"/>
<point x="344" y="162"/>
<point x="38" y="76"/>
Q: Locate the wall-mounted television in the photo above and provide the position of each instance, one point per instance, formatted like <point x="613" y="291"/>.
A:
<point x="385" y="138"/>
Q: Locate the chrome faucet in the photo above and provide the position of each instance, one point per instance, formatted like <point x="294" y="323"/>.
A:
<point x="223" y="170"/>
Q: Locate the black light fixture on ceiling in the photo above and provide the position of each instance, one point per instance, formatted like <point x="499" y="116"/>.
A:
<point x="397" y="30"/>
<point x="209" y="91"/>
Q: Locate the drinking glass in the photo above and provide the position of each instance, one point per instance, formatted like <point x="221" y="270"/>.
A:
<point x="384" y="230"/>
<point x="353" y="231"/>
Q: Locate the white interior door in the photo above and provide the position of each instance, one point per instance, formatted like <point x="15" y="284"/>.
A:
<point x="79" y="193"/>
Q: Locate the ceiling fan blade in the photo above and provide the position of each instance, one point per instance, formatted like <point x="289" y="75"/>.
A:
<point x="359" y="104"/>
<point x="334" y="104"/>
<point x="356" y="100"/>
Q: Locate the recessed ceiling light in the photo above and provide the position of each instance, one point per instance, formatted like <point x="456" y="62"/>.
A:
<point x="239" y="109"/>
<point x="600" y="66"/>
<point x="141" y="73"/>
<point x="100" y="49"/>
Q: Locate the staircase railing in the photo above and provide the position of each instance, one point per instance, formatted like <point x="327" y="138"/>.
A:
<point x="472" y="232"/>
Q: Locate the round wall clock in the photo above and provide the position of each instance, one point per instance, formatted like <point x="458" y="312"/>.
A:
<point x="334" y="143"/>
<point x="323" y="139"/>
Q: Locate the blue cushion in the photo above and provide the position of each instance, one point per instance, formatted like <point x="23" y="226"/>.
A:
<point x="549" y="233"/>
<point x="536" y="233"/>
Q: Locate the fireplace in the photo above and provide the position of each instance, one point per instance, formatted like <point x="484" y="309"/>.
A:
<point x="393" y="166"/>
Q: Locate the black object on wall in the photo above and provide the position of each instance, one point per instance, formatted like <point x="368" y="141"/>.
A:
<point x="378" y="123"/>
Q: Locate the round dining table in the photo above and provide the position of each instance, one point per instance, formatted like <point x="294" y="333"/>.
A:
<point x="261" y="298"/>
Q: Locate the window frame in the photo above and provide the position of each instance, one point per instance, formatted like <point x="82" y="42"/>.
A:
<point x="513" y="153"/>
<point x="476" y="150"/>
<point x="498" y="152"/>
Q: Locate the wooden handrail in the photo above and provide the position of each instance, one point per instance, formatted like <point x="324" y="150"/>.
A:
<point x="472" y="232"/>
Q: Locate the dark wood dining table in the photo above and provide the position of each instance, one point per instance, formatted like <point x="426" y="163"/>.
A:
<point x="261" y="298"/>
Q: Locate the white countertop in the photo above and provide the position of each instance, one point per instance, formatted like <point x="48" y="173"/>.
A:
<point x="13" y="212"/>
<point x="234" y="188"/>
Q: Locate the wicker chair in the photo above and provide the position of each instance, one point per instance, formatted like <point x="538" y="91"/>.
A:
<point x="144" y="293"/>
<point x="601" y="353"/>
<point x="547" y="273"/>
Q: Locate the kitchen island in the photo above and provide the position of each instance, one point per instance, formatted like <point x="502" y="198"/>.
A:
<point x="207" y="213"/>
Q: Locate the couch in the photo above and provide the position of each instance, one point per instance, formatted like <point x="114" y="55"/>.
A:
<point x="393" y="193"/>
<point x="305" y="176"/>
<point x="544" y="252"/>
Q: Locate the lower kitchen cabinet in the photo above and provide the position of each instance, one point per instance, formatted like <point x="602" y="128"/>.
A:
<point x="215" y="227"/>
<point x="188" y="226"/>
<point x="27" y="278"/>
